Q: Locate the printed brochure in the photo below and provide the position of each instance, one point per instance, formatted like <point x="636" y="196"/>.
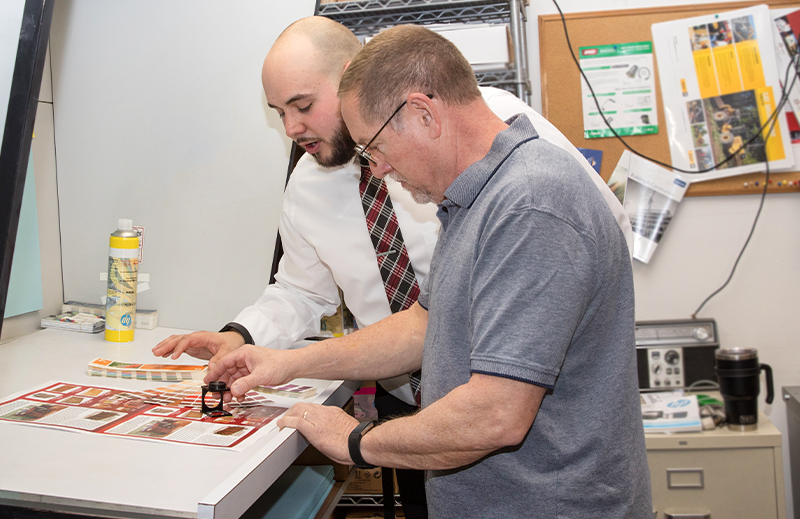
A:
<point x="651" y="195"/>
<point x="720" y="85"/>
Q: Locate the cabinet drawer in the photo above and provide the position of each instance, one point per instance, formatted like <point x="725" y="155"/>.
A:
<point x="728" y="483"/>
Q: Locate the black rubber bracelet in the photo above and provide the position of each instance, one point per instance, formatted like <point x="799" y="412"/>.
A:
<point x="354" y="444"/>
<point x="241" y="330"/>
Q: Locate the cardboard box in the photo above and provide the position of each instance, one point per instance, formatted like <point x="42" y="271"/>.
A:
<point x="486" y="46"/>
<point x="367" y="481"/>
<point x="311" y="456"/>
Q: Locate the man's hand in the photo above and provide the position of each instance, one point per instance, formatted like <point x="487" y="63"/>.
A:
<point x="200" y="345"/>
<point x="325" y="427"/>
<point x="250" y="366"/>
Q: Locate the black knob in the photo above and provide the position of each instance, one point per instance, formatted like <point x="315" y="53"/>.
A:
<point x="672" y="357"/>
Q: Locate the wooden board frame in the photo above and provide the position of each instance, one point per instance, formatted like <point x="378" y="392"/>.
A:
<point x="561" y="87"/>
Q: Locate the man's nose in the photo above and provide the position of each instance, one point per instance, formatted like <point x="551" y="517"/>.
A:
<point x="381" y="169"/>
<point x="293" y="126"/>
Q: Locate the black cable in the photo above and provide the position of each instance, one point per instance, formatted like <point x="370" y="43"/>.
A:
<point x="752" y="230"/>
<point x="771" y="121"/>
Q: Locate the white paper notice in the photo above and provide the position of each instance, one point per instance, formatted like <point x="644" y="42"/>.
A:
<point x="622" y="79"/>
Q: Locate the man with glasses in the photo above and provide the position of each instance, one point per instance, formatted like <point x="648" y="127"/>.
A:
<point x="524" y="324"/>
<point x="322" y="225"/>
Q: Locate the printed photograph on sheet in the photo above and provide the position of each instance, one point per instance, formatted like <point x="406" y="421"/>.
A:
<point x="720" y="86"/>
<point x="170" y="413"/>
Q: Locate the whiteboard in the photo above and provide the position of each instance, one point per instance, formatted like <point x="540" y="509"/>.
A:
<point x="160" y="117"/>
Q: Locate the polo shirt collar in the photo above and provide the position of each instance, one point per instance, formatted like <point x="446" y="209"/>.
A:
<point x="468" y="185"/>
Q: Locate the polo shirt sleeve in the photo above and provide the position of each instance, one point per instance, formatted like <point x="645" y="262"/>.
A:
<point x="424" y="293"/>
<point x="532" y="284"/>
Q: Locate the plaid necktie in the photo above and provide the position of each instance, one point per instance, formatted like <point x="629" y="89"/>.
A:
<point x="399" y="280"/>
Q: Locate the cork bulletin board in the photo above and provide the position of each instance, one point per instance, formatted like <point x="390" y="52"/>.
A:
<point x="561" y="87"/>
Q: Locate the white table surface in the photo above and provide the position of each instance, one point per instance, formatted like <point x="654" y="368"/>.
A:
<point x="67" y="471"/>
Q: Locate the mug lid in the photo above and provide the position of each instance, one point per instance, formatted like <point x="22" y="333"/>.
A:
<point x="736" y="353"/>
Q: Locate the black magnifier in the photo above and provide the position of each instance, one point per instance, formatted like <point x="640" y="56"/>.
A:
<point x="215" y="387"/>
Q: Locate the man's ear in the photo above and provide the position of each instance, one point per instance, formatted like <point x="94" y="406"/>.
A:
<point x="428" y="111"/>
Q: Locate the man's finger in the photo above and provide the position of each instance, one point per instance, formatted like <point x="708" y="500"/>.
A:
<point x="290" y="421"/>
<point x="219" y="366"/>
<point x="241" y="386"/>
<point x="164" y="347"/>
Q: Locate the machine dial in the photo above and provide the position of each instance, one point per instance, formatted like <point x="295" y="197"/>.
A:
<point x="672" y="357"/>
<point x="701" y="333"/>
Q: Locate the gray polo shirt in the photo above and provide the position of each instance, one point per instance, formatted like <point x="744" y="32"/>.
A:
<point x="531" y="280"/>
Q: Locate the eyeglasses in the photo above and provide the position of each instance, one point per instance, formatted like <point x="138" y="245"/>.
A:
<point x="362" y="151"/>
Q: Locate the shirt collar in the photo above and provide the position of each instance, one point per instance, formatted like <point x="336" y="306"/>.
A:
<point x="468" y="185"/>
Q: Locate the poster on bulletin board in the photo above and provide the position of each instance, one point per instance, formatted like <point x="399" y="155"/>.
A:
<point x="622" y="90"/>
<point x="720" y="88"/>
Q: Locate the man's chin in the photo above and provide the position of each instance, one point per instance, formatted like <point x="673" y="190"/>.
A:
<point x="333" y="160"/>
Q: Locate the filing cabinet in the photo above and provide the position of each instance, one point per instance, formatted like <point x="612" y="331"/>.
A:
<point x="718" y="474"/>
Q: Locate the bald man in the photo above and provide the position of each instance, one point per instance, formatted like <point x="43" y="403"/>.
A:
<point x="322" y="225"/>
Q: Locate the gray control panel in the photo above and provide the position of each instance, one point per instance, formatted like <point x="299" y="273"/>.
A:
<point x="675" y="354"/>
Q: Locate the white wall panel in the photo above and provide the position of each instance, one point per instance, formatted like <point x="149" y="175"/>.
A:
<point x="160" y="117"/>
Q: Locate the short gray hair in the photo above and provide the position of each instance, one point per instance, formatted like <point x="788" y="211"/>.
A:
<point x="406" y="59"/>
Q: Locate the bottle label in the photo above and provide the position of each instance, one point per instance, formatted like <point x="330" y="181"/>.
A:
<point x="121" y="295"/>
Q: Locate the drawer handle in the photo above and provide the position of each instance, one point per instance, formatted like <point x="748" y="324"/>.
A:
<point x="674" y="472"/>
<point x="687" y="515"/>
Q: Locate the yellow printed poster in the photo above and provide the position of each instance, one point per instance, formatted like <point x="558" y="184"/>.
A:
<point x="766" y="105"/>
<point x="727" y="69"/>
<point x="750" y="65"/>
<point x="706" y="78"/>
<point x="719" y="84"/>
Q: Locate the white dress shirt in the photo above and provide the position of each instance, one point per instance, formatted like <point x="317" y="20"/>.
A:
<point x="326" y="243"/>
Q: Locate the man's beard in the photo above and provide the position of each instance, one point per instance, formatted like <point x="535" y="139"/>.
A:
<point x="342" y="149"/>
<point x="420" y="196"/>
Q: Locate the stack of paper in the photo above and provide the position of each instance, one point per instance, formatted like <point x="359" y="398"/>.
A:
<point x="145" y="319"/>
<point x="670" y="413"/>
<point x="292" y="390"/>
<point x="75" y="321"/>
<point x="166" y="372"/>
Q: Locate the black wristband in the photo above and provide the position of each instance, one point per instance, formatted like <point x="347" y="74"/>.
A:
<point x="241" y="330"/>
<point x="354" y="444"/>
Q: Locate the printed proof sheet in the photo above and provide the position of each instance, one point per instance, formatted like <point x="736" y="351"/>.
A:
<point x="720" y="85"/>
<point x="171" y="413"/>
